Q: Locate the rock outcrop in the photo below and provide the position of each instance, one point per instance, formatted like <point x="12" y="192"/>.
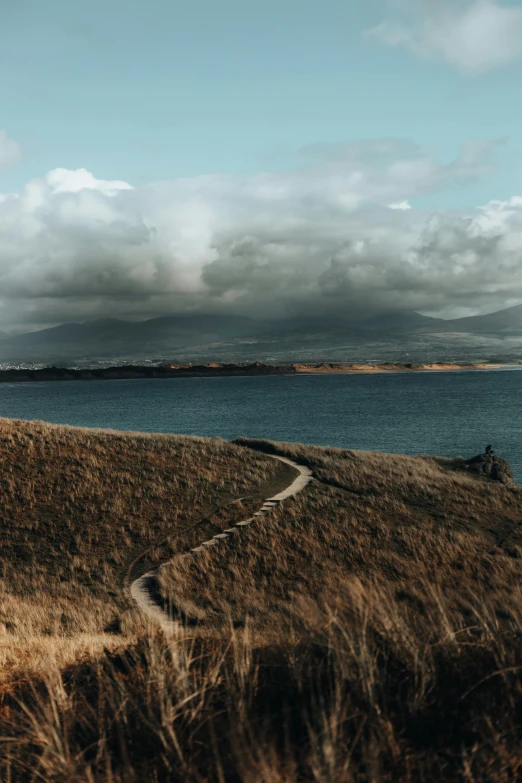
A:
<point x="488" y="464"/>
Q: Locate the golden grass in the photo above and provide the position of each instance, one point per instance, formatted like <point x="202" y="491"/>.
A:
<point x="362" y="698"/>
<point x="419" y="527"/>
<point x="84" y="511"/>
<point x="368" y="631"/>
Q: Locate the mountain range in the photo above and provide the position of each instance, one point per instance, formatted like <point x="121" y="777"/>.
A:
<point x="231" y="337"/>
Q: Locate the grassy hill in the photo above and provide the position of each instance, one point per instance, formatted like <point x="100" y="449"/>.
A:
<point x="424" y="531"/>
<point x="85" y="511"/>
<point x="369" y="629"/>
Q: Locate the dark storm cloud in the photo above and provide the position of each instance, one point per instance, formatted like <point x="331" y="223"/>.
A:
<point x="337" y="235"/>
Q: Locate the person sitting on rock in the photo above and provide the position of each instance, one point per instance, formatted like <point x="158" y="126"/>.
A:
<point x="489" y="450"/>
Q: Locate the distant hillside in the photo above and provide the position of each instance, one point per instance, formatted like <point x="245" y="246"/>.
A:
<point x="509" y="320"/>
<point x="492" y="323"/>
<point x="406" y="336"/>
<point x="401" y="321"/>
<point x="183" y="329"/>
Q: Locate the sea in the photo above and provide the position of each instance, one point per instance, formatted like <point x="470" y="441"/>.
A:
<point x="446" y="413"/>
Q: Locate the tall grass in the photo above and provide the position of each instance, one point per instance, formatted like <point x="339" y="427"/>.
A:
<point x="368" y="630"/>
<point x="395" y="521"/>
<point x="84" y="511"/>
<point x="369" y="696"/>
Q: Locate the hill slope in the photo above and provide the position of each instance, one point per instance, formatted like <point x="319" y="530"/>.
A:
<point x="402" y="523"/>
<point x="236" y="338"/>
<point x="82" y="510"/>
<point x="367" y="630"/>
<point x="509" y="320"/>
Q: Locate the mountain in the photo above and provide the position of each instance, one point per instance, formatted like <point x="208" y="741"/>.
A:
<point x="405" y="336"/>
<point x="110" y="336"/>
<point x="178" y="328"/>
<point x="509" y="320"/>
<point x="408" y="320"/>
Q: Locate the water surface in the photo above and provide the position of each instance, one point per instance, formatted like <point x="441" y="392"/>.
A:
<point x="450" y="413"/>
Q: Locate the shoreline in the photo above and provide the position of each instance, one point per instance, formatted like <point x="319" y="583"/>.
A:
<point x="215" y="369"/>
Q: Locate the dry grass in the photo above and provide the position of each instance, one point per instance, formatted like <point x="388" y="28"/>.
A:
<point x="83" y="511"/>
<point x="419" y="528"/>
<point x="364" y="698"/>
<point x="369" y="630"/>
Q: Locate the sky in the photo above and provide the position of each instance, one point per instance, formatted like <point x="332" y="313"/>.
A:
<point x="274" y="158"/>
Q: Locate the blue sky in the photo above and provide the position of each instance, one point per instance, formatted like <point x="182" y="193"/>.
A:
<point x="158" y="90"/>
<point x="230" y="91"/>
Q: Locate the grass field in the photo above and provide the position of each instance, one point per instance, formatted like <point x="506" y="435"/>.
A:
<point x="369" y="629"/>
<point x="85" y="511"/>
<point x="421" y="529"/>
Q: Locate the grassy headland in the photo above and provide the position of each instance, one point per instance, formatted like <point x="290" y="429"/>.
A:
<point x="423" y="530"/>
<point x="369" y="629"/>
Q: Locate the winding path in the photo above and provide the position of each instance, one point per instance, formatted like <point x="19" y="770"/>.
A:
<point x="142" y="589"/>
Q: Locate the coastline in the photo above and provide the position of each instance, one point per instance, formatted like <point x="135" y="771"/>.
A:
<point x="215" y="369"/>
<point x="392" y="367"/>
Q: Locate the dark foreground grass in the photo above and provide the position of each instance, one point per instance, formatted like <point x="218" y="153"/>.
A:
<point x="365" y="700"/>
<point x="370" y="630"/>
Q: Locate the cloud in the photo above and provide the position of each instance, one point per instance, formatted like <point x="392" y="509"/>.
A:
<point x="320" y="239"/>
<point x="65" y="181"/>
<point x="448" y="262"/>
<point x="404" y="205"/>
<point x="473" y="37"/>
<point x="10" y="150"/>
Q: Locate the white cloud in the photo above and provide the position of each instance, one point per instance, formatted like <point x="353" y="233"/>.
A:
<point x="319" y="239"/>
<point x="404" y="205"/>
<point x="65" y="181"/>
<point x="473" y="36"/>
<point x="10" y="150"/>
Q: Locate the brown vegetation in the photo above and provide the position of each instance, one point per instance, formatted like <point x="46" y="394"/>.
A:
<point x="83" y="511"/>
<point x="370" y="629"/>
<point x="421" y="528"/>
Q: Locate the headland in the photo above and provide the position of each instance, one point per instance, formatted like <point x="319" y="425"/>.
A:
<point x="213" y="369"/>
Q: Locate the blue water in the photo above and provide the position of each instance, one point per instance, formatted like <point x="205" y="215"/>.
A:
<point x="451" y="413"/>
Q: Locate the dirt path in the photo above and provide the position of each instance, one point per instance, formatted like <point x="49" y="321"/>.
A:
<point x="143" y="589"/>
